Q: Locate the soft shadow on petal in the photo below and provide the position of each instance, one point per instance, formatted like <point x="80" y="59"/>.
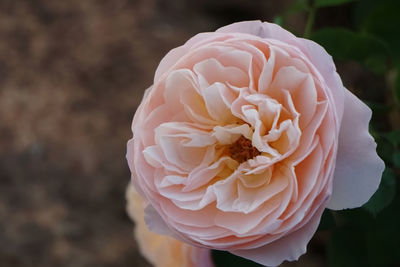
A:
<point x="358" y="168"/>
<point x="155" y="223"/>
<point x="289" y="248"/>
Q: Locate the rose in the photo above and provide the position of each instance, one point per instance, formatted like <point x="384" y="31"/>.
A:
<point x="246" y="135"/>
<point x="161" y="250"/>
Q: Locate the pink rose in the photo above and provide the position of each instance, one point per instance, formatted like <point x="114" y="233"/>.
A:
<point x="161" y="250"/>
<point x="245" y="137"/>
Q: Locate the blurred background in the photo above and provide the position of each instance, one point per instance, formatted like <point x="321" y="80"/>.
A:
<point x="71" y="76"/>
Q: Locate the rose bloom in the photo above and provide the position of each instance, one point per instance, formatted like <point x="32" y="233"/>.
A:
<point x="245" y="137"/>
<point x="161" y="250"/>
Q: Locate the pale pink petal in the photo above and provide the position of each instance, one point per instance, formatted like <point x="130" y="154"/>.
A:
<point x="316" y="53"/>
<point x="324" y="64"/>
<point x="237" y="58"/>
<point x="308" y="134"/>
<point x="249" y="199"/>
<point x="252" y="179"/>
<point x="250" y="27"/>
<point x="289" y="247"/>
<point x="213" y="71"/>
<point x="216" y="106"/>
<point x="201" y="257"/>
<point x="358" y="168"/>
<point x="155" y="157"/>
<point x="155" y="223"/>
<point x="201" y="176"/>
<point x="174" y="55"/>
<point x="319" y="58"/>
<point x="230" y="133"/>
<point x="169" y="60"/>
<point x="240" y="223"/>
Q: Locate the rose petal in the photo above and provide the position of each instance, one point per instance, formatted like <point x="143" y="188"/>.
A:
<point x="289" y="248"/>
<point x="173" y="56"/>
<point x="316" y="53"/>
<point x="253" y="27"/>
<point x="155" y="223"/>
<point x="358" y="168"/>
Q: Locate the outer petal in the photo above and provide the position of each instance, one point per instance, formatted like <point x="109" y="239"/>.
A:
<point x="358" y="168"/>
<point x="253" y="27"/>
<point x="169" y="59"/>
<point x="173" y="56"/>
<point x="289" y="247"/>
<point x="155" y="223"/>
<point x="324" y="64"/>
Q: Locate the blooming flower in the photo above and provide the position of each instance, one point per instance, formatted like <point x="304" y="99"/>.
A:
<point x="245" y="137"/>
<point x="161" y="250"/>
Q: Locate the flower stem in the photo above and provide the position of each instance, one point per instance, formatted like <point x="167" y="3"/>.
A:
<point x="310" y="19"/>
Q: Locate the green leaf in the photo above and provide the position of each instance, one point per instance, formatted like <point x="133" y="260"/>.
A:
<point x="324" y="3"/>
<point x="381" y="19"/>
<point x="385" y="148"/>
<point x="376" y="64"/>
<point x="226" y="259"/>
<point x="278" y="20"/>
<point x="397" y="87"/>
<point x="378" y="107"/>
<point x="345" y="44"/>
<point x="358" y="217"/>
<point x="362" y="10"/>
<point x="327" y="221"/>
<point x="346" y="248"/>
<point x="297" y="6"/>
<point x="384" y="195"/>
<point x="383" y="238"/>
<point x="393" y="137"/>
<point x="364" y="240"/>
<point x="396" y="159"/>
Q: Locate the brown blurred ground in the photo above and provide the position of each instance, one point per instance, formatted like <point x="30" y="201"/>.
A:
<point x="71" y="75"/>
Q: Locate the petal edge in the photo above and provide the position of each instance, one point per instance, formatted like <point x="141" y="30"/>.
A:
<point x="358" y="168"/>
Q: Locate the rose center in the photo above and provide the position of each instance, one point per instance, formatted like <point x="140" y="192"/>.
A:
<point x="242" y="150"/>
